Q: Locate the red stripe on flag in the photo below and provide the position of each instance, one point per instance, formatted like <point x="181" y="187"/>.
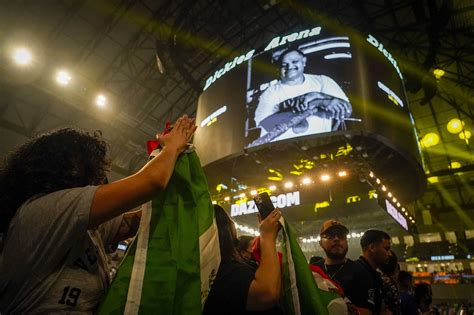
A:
<point x="151" y="145"/>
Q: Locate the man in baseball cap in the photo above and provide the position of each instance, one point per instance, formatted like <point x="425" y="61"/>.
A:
<point x="354" y="279"/>
<point x="334" y="242"/>
<point x="333" y="225"/>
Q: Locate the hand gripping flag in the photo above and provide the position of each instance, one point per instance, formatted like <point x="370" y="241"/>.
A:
<point x="175" y="257"/>
<point x="306" y="291"/>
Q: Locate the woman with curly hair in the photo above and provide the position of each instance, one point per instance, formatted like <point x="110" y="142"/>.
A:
<point x="58" y="216"/>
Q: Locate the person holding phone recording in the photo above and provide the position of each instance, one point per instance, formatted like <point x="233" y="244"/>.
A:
<point x="239" y="288"/>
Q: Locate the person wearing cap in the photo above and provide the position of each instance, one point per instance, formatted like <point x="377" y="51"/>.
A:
<point x="353" y="278"/>
<point x="375" y="246"/>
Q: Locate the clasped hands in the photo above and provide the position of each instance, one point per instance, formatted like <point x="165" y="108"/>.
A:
<point x="336" y="108"/>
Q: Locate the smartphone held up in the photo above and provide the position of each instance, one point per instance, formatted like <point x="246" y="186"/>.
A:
<point x="264" y="204"/>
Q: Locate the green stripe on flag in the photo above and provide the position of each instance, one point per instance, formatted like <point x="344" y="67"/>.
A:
<point x="308" y="298"/>
<point x="172" y="280"/>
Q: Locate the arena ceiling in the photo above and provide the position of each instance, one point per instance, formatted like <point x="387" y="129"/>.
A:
<point x="151" y="59"/>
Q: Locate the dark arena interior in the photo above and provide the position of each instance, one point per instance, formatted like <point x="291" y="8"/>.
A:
<point x="395" y="153"/>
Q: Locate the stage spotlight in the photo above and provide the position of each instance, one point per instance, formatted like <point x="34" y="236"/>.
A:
<point x="394" y="199"/>
<point x="325" y="177"/>
<point x="272" y="187"/>
<point x="342" y="173"/>
<point x="455" y="125"/>
<point x="455" y="164"/>
<point x="306" y="181"/>
<point x="377" y="181"/>
<point x="398" y="204"/>
<point x="22" y="56"/>
<point x="384" y="188"/>
<point x="288" y="184"/>
<point x="465" y="135"/>
<point x="63" y="77"/>
<point x="253" y="192"/>
<point x="101" y="100"/>
<point x="371" y="174"/>
<point x="430" y="139"/>
<point x="389" y="194"/>
<point x="438" y="73"/>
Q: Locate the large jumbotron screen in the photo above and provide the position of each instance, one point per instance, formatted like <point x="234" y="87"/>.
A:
<point x="301" y="85"/>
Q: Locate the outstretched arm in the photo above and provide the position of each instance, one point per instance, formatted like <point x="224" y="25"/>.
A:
<point x="113" y="199"/>
<point x="265" y="290"/>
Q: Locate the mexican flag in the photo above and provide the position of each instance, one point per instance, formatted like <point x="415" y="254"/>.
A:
<point x="175" y="257"/>
<point x="306" y="290"/>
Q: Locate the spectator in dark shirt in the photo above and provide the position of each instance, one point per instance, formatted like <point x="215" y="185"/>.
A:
<point x="375" y="252"/>
<point x="391" y="297"/>
<point x="355" y="280"/>
<point x="238" y="288"/>
<point x="407" y="300"/>
<point x="424" y="298"/>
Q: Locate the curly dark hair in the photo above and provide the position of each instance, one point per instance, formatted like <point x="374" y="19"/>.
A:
<point x="61" y="159"/>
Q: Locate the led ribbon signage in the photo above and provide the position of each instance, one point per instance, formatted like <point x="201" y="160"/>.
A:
<point x="274" y="43"/>
<point x="397" y="216"/>
<point x="209" y="120"/>
<point x="279" y="201"/>
<point x="372" y="40"/>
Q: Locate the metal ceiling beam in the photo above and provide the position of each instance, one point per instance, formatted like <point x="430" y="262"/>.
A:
<point x="57" y="30"/>
<point x="149" y="27"/>
<point x="104" y="30"/>
<point x="452" y="171"/>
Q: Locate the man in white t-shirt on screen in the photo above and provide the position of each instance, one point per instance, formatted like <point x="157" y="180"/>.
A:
<point x="317" y="99"/>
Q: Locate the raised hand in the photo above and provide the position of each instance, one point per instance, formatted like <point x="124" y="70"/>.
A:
<point x="180" y="134"/>
<point x="270" y="226"/>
